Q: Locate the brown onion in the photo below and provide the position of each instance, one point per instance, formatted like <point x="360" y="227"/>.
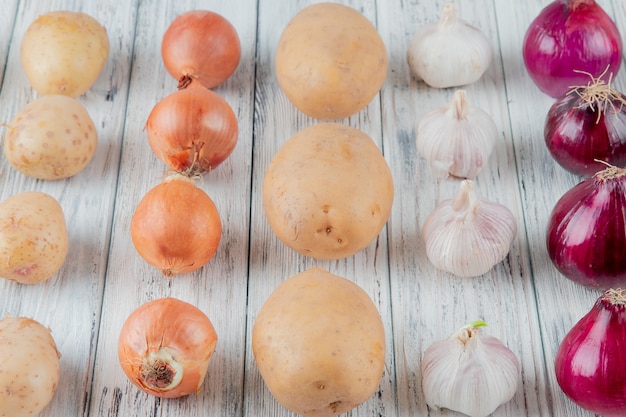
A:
<point x="192" y="129"/>
<point x="165" y="347"/>
<point x="201" y="46"/>
<point x="176" y="227"/>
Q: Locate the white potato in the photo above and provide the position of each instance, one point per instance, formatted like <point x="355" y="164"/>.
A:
<point x="51" y="138"/>
<point x="64" y="52"/>
<point x="33" y="237"/>
<point x="29" y="367"/>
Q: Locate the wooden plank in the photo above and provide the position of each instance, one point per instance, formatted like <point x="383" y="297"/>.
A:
<point x="7" y="20"/>
<point x="70" y="302"/>
<point x="219" y="288"/>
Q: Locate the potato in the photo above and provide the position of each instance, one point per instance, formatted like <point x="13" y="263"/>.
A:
<point x="319" y="344"/>
<point x="328" y="191"/>
<point x="63" y="52"/>
<point x="51" y="138"/>
<point x="33" y="237"/>
<point x="29" y="367"/>
<point x="330" y="61"/>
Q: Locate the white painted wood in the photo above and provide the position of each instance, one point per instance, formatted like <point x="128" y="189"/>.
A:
<point x="524" y="300"/>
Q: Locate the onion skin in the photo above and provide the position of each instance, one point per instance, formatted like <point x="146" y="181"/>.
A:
<point x="581" y="134"/>
<point x="569" y="36"/>
<point x="590" y="363"/>
<point x="173" y="326"/>
<point x="586" y="232"/>
<point x="202" y="47"/>
<point x="193" y="128"/>
<point x="176" y="227"/>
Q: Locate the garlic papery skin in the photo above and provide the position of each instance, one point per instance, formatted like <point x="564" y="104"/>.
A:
<point x="456" y="139"/>
<point x="449" y="53"/>
<point x="467" y="236"/>
<point x="469" y="372"/>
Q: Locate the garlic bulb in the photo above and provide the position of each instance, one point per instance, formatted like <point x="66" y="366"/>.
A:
<point x="456" y="139"/>
<point x="449" y="53"/>
<point x="470" y="373"/>
<point x="467" y="236"/>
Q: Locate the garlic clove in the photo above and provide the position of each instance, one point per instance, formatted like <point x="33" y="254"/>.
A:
<point x="456" y="139"/>
<point x="449" y="53"/>
<point x="468" y="236"/>
<point x="470" y="373"/>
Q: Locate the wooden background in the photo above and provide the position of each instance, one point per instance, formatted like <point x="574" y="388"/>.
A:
<point x="525" y="301"/>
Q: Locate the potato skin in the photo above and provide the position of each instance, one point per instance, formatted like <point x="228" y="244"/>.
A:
<point x="319" y="344"/>
<point x="29" y="361"/>
<point x="51" y="138"/>
<point x="328" y="191"/>
<point x="64" y="52"/>
<point x="330" y="61"/>
<point x="33" y="237"/>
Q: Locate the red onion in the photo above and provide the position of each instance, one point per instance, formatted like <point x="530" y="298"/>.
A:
<point x="586" y="126"/>
<point x="569" y="36"/>
<point x="586" y="233"/>
<point x="590" y="363"/>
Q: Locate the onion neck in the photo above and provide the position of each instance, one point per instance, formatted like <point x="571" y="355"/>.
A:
<point x="599" y="95"/>
<point x="615" y="296"/>
<point x="610" y="172"/>
<point x="574" y="4"/>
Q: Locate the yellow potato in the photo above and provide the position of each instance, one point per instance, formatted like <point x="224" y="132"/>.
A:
<point x="319" y="344"/>
<point x="29" y="367"/>
<point x="328" y="191"/>
<point x="330" y="61"/>
<point x="33" y="237"/>
<point x="63" y="52"/>
<point x="51" y="138"/>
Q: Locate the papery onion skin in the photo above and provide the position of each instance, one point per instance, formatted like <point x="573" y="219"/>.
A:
<point x="174" y="326"/>
<point x="176" y="226"/>
<point x="590" y="363"/>
<point x="581" y="134"/>
<point x="586" y="232"/>
<point x="569" y="36"/>
<point x="194" y="128"/>
<point x="201" y="46"/>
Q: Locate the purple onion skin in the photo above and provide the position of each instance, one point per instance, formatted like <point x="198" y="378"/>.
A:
<point x="586" y="233"/>
<point x="569" y="36"/>
<point x="579" y="135"/>
<point x="590" y="363"/>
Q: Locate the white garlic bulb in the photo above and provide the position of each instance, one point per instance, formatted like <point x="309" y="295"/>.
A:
<point x="449" y="53"/>
<point x="470" y="373"/>
<point x="456" y="139"/>
<point x="468" y="236"/>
